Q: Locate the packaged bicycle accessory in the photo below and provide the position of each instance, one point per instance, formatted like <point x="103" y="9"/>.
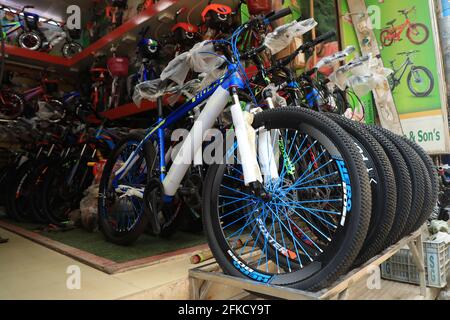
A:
<point x="283" y="36"/>
<point x="335" y="58"/>
<point x="201" y="58"/>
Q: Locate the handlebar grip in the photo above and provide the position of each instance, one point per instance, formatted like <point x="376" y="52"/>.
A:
<point x="324" y="37"/>
<point x="277" y="15"/>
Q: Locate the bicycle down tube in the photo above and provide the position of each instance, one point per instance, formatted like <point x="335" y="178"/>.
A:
<point x="217" y="94"/>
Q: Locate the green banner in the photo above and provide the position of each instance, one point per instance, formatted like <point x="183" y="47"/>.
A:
<point x="408" y="48"/>
<point x="407" y="36"/>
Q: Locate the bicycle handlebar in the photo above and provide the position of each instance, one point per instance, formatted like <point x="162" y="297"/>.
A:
<point x="304" y="47"/>
<point x="408" y="52"/>
<point x="277" y="15"/>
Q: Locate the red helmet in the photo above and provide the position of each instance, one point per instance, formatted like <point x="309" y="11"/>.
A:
<point x="186" y="27"/>
<point x="220" y="9"/>
<point x="185" y="33"/>
<point x="218" y="17"/>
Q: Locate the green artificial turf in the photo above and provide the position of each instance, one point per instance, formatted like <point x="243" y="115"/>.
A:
<point x="94" y="242"/>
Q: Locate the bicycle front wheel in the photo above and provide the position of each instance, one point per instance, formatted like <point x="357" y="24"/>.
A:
<point x="418" y="33"/>
<point x="310" y="228"/>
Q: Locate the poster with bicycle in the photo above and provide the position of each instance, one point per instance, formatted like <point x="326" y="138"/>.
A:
<point x="407" y="36"/>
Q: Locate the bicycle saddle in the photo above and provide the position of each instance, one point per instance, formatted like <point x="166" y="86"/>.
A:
<point x="391" y="22"/>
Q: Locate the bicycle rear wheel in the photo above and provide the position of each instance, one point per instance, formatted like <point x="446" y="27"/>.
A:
<point x="312" y="226"/>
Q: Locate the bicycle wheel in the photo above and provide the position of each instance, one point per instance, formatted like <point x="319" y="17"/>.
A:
<point x="382" y="182"/>
<point x="431" y="197"/>
<point x="63" y="187"/>
<point x="70" y="49"/>
<point x="428" y="187"/>
<point x="403" y="184"/>
<point x="386" y="38"/>
<point x="37" y="196"/>
<point x="30" y="40"/>
<point x="19" y="194"/>
<point x="122" y="217"/>
<point x="420" y="81"/>
<point x="418" y="179"/>
<point x="417" y="33"/>
<point x="311" y="227"/>
<point x="11" y="105"/>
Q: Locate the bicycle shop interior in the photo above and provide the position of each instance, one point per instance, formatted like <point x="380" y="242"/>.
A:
<point x="224" y="149"/>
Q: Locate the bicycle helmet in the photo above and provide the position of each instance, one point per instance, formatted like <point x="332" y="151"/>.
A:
<point x="185" y="33"/>
<point x="218" y="16"/>
<point x="149" y="48"/>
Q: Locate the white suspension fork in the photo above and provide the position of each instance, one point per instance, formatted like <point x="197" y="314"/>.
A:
<point x="246" y="139"/>
<point x="193" y="142"/>
<point x="267" y="146"/>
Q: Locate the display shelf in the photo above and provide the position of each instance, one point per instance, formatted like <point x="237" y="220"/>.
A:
<point x="125" y="110"/>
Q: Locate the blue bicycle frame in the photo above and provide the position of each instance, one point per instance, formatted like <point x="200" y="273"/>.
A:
<point x="230" y="82"/>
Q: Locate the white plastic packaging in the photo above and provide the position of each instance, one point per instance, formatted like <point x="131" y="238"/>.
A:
<point x="201" y="58"/>
<point x="282" y="36"/>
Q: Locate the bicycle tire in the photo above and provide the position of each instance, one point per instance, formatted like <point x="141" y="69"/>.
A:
<point x="384" y="188"/>
<point x="70" y="49"/>
<point x="384" y="40"/>
<point x="418" y="179"/>
<point x="128" y="236"/>
<point x="434" y="180"/>
<point x="18" y="200"/>
<point x="59" y="198"/>
<point x="410" y="79"/>
<point x="423" y="27"/>
<point x="19" y="106"/>
<point x="22" y="38"/>
<point x="403" y="183"/>
<point x="355" y="230"/>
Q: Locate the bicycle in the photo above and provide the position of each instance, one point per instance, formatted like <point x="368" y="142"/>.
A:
<point x="417" y="33"/>
<point x="10" y="27"/>
<point x="13" y="104"/>
<point x="31" y="36"/>
<point x="70" y="47"/>
<point x="118" y="70"/>
<point x="299" y="172"/>
<point x="420" y="79"/>
<point x="148" y="51"/>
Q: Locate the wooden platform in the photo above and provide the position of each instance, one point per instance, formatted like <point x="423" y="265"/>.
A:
<point x="208" y="282"/>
